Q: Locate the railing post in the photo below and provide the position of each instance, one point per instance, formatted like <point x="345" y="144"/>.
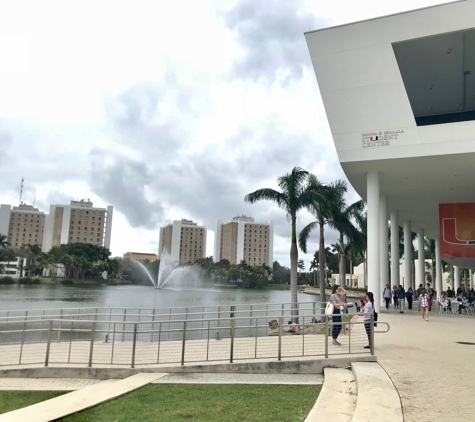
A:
<point x="123" y="325"/>
<point x="134" y="345"/>
<point x="91" y="348"/>
<point x="281" y="333"/>
<point x="183" y="344"/>
<point x="153" y="326"/>
<point x="326" y="335"/>
<point x="371" y="334"/>
<point x="60" y="325"/>
<point x="48" y="345"/>
<point x="231" y="353"/>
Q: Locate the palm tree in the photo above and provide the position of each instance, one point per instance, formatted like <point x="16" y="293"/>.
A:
<point x="326" y="197"/>
<point x="342" y="221"/>
<point x="4" y="241"/>
<point x="295" y="194"/>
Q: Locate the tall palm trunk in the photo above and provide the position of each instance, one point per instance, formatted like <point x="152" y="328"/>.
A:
<point x="321" y="259"/>
<point x="294" y="257"/>
<point x="342" y="266"/>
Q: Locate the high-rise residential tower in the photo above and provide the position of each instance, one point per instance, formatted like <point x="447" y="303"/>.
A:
<point x="244" y="239"/>
<point x="184" y="241"/>
<point x="23" y="224"/>
<point x="78" y="222"/>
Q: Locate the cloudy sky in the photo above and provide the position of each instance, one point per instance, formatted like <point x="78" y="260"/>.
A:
<point x="166" y="109"/>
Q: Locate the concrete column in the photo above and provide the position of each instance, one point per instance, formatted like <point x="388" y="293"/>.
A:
<point x="438" y="267"/>
<point x="407" y="255"/>
<point x="395" y="248"/>
<point x="383" y="240"/>
<point x="456" y="277"/>
<point x="421" y="269"/>
<point x="373" y="236"/>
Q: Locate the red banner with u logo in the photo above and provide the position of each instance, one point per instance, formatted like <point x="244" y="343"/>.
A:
<point x="457" y="230"/>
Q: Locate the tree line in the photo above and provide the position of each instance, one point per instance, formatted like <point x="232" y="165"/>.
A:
<point x="72" y="260"/>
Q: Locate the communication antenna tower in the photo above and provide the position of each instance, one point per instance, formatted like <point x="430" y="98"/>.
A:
<point x="21" y="189"/>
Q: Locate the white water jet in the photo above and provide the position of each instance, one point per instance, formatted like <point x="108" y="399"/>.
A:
<point x="169" y="272"/>
<point x="146" y="272"/>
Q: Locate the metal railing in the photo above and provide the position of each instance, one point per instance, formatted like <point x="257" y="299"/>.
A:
<point x="101" y="340"/>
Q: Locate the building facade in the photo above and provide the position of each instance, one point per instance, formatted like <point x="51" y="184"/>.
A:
<point x="398" y="92"/>
<point x="244" y="239"/>
<point x="140" y="256"/>
<point x="183" y="240"/>
<point x="78" y="222"/>
<point x="23" y="224"/>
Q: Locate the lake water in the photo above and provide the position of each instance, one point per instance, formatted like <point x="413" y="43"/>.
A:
<point x="47" y="296"/>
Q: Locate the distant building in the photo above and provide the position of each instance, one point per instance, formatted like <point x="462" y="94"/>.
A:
<point x="140" y="256"/>
<point x="23" y="224"/>
<point x="184" y="241"/>
<point x="13" y="268"/>
<point x="78" y="222"/>
<point x="244" y="239"/>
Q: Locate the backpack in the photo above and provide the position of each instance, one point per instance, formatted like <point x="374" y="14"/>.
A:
<point x="375" y="317"/>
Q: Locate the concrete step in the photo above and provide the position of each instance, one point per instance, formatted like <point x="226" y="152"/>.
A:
<point x="79" y="400"/>
<point x="377" y="399"/>
<point x="337" y="398"/>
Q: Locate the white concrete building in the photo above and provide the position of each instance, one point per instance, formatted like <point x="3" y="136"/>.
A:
<point x="78" y="222"/>
<point x="399" y="94"/>
<point x="12" y="268"/>
<point x="244" y="239"/>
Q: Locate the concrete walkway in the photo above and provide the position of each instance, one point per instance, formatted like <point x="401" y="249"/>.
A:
<point x="433" y="373"/>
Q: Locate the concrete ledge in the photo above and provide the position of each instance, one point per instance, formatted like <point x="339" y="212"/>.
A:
<point x="50" y="410"/>
<point x="378" y="399"/>
<point x="337" y="400"/>
<point x="304" y="366"/>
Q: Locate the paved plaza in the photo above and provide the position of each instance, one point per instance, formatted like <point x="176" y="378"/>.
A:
<point x="430" y="369"/>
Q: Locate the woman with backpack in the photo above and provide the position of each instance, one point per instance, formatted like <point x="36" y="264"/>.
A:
<point x="368" y="310"/>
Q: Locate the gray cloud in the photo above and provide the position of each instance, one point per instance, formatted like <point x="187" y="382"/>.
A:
<point x="123" y="182"/>
<point x="271" y="34"/>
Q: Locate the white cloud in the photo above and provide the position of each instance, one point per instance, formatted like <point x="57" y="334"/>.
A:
<point x="165" y="110"/>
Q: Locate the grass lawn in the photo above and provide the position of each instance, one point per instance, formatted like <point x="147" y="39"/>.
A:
<point x="206" y="403"/>
<point x="12" y="400"/>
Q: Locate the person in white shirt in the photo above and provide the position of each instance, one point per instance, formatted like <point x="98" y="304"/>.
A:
<point x="368" y="310"/>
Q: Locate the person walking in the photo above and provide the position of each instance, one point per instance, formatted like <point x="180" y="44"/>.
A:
<point x="424" y="301"/>
<point x="410" y="298"/>
<point x="338" y="305"/>
<point x="401" y="297"/>
<point x="387" y="295"/>
<point x="367" y="311"/>
<point x="394" y="293"/>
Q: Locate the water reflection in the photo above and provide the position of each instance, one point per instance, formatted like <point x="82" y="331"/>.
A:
<point x="48" y="296"/>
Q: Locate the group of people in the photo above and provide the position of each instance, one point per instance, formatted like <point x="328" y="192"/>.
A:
<point x="398" y="296"/>
<point x="338" y="306"/>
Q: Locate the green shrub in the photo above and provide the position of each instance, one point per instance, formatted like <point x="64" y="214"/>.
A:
<point x="7" y="280"/>
<point x="29" y="280"/>
<point x="67" y="282"/>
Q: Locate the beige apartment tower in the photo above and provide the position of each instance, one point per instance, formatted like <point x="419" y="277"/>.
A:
<point x="23" y="224"/>
<point x="140" y="256"/>
<point x="183" y="240"/>
<point x="78" y="222"/>
<point x="244" y="239"/>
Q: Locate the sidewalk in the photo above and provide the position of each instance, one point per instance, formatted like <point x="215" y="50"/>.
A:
<point x="434" y="374"/>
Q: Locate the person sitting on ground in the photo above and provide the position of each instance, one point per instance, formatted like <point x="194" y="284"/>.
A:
<point x="294" y="328"/>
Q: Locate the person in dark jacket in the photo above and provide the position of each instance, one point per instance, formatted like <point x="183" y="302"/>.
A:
<point x="409" y="297"/>
<point x="401" y="297"/>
